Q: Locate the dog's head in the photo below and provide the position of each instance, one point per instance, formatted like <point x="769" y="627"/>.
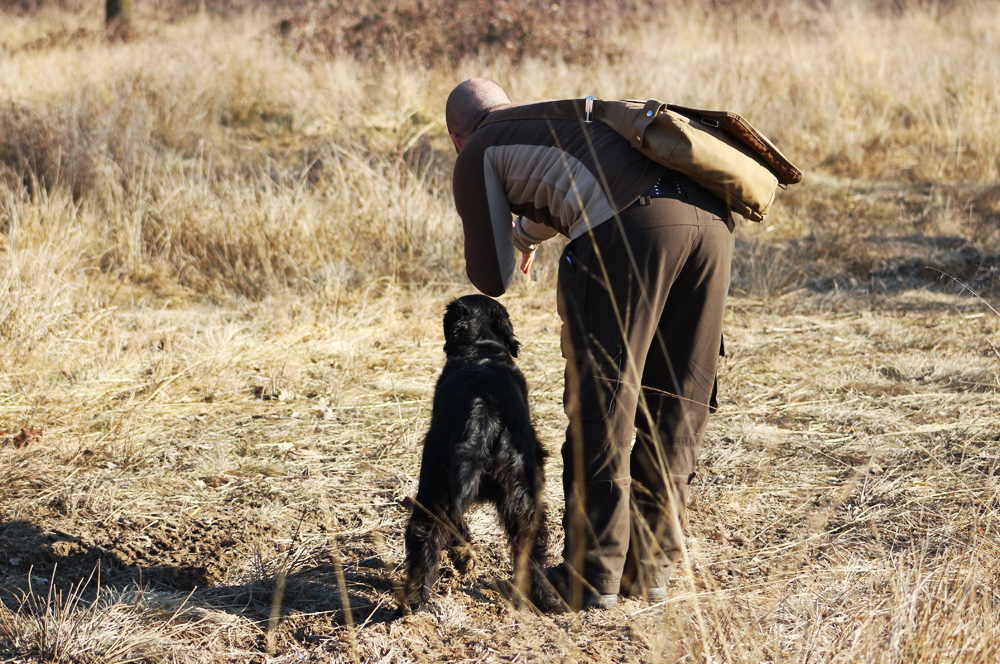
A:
<point x="476" y="318"/>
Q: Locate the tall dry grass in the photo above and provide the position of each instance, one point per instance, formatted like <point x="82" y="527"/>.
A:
<point x="207" y="157"/>
<point x="223" y="261"/>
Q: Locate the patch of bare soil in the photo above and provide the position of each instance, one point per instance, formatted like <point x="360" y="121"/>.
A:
<point x="185" y="556"/>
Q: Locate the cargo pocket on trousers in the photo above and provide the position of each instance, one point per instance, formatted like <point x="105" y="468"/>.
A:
<point x="593" y="373"/>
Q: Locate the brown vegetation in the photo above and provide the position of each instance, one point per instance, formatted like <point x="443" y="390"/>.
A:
<point x="225" y="252"/>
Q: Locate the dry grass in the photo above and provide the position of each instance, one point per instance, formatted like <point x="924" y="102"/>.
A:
<point x="224" y="265"/>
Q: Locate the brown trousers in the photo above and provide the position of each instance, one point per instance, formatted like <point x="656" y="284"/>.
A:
<point x="641" y="299"/>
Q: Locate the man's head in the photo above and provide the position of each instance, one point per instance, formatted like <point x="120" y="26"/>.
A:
<point x="468" y="104"/>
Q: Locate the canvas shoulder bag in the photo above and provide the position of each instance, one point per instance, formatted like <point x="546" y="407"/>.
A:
<point x="719" y="150"/>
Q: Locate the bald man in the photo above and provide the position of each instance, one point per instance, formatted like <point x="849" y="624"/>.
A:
<point x="641" y="292"/>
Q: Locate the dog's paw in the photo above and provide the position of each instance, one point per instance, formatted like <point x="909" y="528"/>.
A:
<point x="538" y="600"/>
<point x="546" y="599"/>
<point x="463" y="558"/>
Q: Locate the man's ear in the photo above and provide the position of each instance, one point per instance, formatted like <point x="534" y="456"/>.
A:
<point x="459" y="141"/>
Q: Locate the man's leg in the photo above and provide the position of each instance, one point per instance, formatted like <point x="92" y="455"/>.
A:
<point x="600" y="405"/>
<point x="678" y="390"/>
<point x="613" y="285"/>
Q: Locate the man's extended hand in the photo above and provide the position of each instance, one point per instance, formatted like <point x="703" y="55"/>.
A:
<point x="526" y="261"/>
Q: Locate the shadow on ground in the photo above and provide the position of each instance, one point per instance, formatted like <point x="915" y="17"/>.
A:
<point x="32" y="560"/>
<point x="29" y="554"/>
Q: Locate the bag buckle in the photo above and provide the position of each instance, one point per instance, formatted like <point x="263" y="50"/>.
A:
<point x="588" y="109"/>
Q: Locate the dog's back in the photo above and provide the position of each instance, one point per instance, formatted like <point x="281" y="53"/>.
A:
<point x="480" y="413"/>
<point x="481" y="409"/>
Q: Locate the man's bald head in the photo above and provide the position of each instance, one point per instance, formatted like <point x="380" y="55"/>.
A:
<point x="469" y="103"/>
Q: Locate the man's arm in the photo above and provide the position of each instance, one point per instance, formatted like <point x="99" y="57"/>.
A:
<point x="486" y="220"/>
<point x="528" y="235"/>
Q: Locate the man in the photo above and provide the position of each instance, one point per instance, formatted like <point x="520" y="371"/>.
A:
<point x="641" y="293"/>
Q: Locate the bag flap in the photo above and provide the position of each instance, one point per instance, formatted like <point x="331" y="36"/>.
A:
<point x="742" y="130"/>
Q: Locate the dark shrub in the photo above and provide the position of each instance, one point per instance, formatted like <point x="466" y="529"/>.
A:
<point x="444" y="31"/>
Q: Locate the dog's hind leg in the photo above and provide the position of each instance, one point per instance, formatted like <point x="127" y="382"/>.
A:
<point x="461" y="553"/>
<point x="519" y="518"/>
<point x="466" y="478"/>
<point x="426" y="534"/>
<point x="523" y="518"/>
<point x="543" y="595"/>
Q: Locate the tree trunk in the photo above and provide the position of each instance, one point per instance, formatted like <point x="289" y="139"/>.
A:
<point x="118" y="17"/>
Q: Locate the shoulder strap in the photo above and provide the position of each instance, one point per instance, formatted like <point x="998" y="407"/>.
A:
<point x="568" y="109"/>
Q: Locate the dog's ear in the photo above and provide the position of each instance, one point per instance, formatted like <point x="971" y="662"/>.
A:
<point x="457" y="320"/>
<point x="505" y="330"/>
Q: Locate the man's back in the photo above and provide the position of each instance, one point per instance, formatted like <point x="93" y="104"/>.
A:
<point x="561" y="175"/>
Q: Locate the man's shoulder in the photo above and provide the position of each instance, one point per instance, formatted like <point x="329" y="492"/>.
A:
<point x="494" y="139"/>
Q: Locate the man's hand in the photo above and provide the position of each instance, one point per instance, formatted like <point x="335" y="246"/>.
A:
<point x="526" y="261"/>
<point x="526" y="256"/>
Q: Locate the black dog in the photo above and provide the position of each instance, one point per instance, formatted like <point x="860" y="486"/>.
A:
<point x="481" y="446"/>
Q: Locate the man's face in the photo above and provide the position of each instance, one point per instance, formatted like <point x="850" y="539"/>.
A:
<point x="459" y="141"/>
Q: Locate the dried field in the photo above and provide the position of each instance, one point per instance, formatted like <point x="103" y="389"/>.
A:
<point x="224" y="263"/>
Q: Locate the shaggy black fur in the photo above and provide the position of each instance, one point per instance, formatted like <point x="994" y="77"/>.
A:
<point x="481" y="446"/>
